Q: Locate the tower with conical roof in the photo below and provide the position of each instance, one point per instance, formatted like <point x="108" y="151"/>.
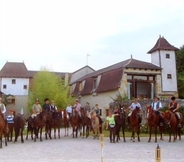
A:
<point x="163" y="55"/>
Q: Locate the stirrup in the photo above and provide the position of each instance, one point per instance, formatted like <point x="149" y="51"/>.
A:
<point x="161" y="124"/>
<point x="179" y="126"/>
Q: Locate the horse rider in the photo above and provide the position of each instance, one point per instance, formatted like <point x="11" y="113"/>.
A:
<point x="10" y="116"/>
<point x="53" y="109"/>
<point x="110" y="125"/>
<point x="77" y="107"/>
<point x="87" y="109"/>
<point x="36" y="108"/>
<point x="2" y="108"/>
<point x="157" y="106"/>
<point x="69" y="110"/>
<point x="46" y="105"/>
<point x="134" y="104"/>
<point x="97" y="110"/>
<point x="174" y="107"/>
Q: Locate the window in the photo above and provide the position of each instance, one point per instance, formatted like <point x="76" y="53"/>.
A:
<point x="169" y="76"/>
<point x="4" y="86"/>
<point x="167" y="56"/>
<point x="13" y="81"/>
<point x="94" y="84"/>
<point x="25" y="87"/>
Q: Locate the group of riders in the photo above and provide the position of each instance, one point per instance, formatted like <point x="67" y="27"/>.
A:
<point x="156" y="105"/>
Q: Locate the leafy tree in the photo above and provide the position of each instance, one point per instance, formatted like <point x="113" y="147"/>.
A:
<point x="180" y="71"/>
<point x="48" y="85"/>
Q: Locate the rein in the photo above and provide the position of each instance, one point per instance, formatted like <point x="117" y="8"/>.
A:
<point x="169" y="121"/>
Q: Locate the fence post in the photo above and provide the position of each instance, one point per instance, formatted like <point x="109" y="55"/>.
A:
<point x="158" y="154"/>
<point x="102" y="145"/>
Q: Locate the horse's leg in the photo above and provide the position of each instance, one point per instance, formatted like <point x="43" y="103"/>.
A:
<point x="59" y="132"/>
<point x="150" y="129"/>
<point x="21" y="133"/>
<point x="1" y="139"/>
<point x="54" y="132"/>
<point x="155" y="133"/>
<point x="41" y="134"/>
<point x="138" y="132"/>
<point x="123" y="132"/>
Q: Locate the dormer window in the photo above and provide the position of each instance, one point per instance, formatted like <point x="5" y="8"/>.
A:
<point x="94" y="84"/>
<point x="167" y="56"/>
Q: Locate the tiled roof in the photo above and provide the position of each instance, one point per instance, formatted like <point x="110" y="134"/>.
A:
<point x="110" y="80"/>
<point x="14" y="69"/>
<point x="162" y="44"/>
<point x="130" y="63"/>
<point x="88" y="86"/>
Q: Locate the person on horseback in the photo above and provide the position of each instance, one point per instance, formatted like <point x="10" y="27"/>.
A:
<point x="110" y="125"/>
<point x="36" y="108"/>
<point x="97" y="110"/>
<point x="46" y="105"/>
<point x="134" y="104"/>
<point x="77" y="107"/>
<point x="10" y="116"/>
<point x="174" y="107"/>
<point x="69" y="109"/>
<point x="2" y="108"/>
<point x="53" y="109"/>
<point x="87" y="108"/>
<point x="157" y="106"/>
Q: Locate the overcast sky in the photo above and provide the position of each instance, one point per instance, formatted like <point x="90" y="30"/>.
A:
<point x="58" y="34"/>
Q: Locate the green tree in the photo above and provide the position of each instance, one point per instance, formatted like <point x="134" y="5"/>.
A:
<point x="180" y="71"/>
<point x="48" y="85"/>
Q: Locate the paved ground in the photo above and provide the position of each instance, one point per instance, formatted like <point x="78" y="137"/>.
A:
<point x="68" y="149"/>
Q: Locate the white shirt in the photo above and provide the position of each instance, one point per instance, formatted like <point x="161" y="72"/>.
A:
<point x="134" y="105"/>
<point x="155" y="105"/>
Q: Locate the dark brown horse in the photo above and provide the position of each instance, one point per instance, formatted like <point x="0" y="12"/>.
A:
<point x="2" y="130"/>
<point x="153" y="122"/>
<point x="75" y="123"/>
<point x="135" y="120"/>
<point x="30" y="127"/>
<point x="57" y="122"/>
<point x="39" y="123"/>
<point x="85" y="123"/>
<point x="19" y="123"/>
<point x="65" y="121"/>
<point x="48" y="124"/>
<point x="120" y="123"/>
<point x="172" y="123"/>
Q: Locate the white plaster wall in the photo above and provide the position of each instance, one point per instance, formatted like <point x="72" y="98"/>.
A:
<point x="102" y="99"/>
<point x="15" y="89"/>
<point x="169" y="67"/>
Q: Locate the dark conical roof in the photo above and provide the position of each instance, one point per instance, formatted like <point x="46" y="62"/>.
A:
<point x="162" y="44"/>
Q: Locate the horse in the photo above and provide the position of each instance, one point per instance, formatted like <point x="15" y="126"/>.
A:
<point x="19" y="123"/>
<point x="85" y="123"/>
<point x="153" y="122"/>
<point x="57" y="122"/>
<point x="2" y="130"/>
<point x="135" y="120"/>
<point x="39" y="123"/>
<point x="75" y="123"/>
<point x="172" y="123"/>
<point x="48" y="124"/>
<point x="65" y="121"/>
<point x="120" y="123"/>
<point x="30" y="127"/>
<point x="95" y="125"/>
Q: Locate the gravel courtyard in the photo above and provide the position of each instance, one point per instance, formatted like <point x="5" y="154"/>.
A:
<point x="81" y="149"/>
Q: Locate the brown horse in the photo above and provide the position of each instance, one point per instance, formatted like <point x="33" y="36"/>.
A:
<point x="135" y="120"/>
<point x="120" y="123"/>
<point x="19" y="123"/>
<point x="30" y="127"/>
<point x="39" y="123"/>
<point x="95" y="125"/>
<point x="48" y="124"/>
<point x="65" y="121"/>
<point x="2" y="130"/>
<point x="172" y="123"/>
<point x="85" y="123"/>
<point x="153" y="122"/>
<point x="57" y="122"/>
<point x="75" y="123"/>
